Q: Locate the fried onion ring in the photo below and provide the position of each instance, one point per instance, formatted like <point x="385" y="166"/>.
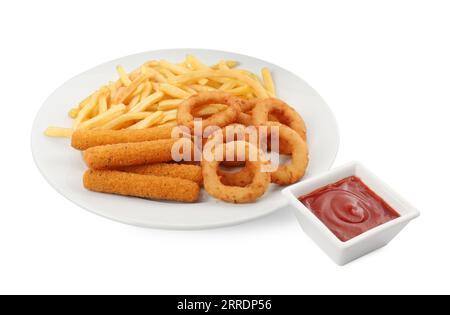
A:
<point x="284" y="114"/>
<point x="294" y="170"/>
<point x="247" y="105"/>
<point x="235" y="194"/>
<point x="220" y="119"/>
<point x="233" y="132"/>
<point x="245" y="117"/>
<point x="240" y="178"/>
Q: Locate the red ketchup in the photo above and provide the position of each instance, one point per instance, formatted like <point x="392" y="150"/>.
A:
<point x="348" y="208"/>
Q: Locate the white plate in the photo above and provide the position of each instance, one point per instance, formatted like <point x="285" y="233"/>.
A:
<point x="63" y="167"/>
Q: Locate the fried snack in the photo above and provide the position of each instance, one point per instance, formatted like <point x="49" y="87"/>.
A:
<point x="233" y="132"/>
<point x="247" y="105"/>
<point x="268" y="81"/>
<point x="125" y="120"/>
<point x="260" y="91"/>
<point x="185" y="171"/>
<point x="112" y="113"/>
<point x="208" y="110"/>
<point x="84" y="139"/>
<point x="294" y="170"/>
<point x="241" y="178"/>
<point x="169" y="104"/>
<point x="86" y="108"/>
<point x="123" y="95"/>
<point x="220" y="119"/>
<point x="58" y="132"/>
<point x="144" y="186"/>
<point x="113" y="156"/>
<point x="235" y="194"/>
<point x="149" y="121"/>
<point x="245" y="116"/>
<point x="162" y="86"/>
<point x="285" y="115"/>
<point x="245" y="119"/>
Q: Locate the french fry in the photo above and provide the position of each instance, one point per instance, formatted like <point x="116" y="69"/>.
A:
<point x="124" y="94"/>
<point x="228" y="63"/>
<point x="134" y="101"/>
<point x="123" y="75"/>
<point x="166" y="72"/>
<point x="85" y="101"/>
<point x="151" y="63"/>
<point x="149" y="121"/>
<point x="125" y="118"/>
<point x="173" y="91"/>
<point x="231" y="63"/>
<point x="147" y="102"/>
<point x="139" y="89"/>
<point x="86" y="110"/>
<point x="228" y="85"/>
<point x="103" y="118"/>
<point x="241" y="90"/>
<point x="155" y="86"/>
<point x="147" y="90"/>
<point x="223" y="65"/>
<point x="168" y="124"/>
<point x="73" y="113"/>
<point x="152" y="93"/>
<point x="196" y="75"/>
<point x="189" y="90"/>
<point x="169" y="116"/>
<point x="102" y="104"/>
<point x="177" y="69"/>
<point x="169" y="104"/>
<point x="58" y="132"/>
<point x="250" y="95"/>
<point x="114" y="89"/>
<point x="196" y="63"/>
<point x="268" y="81"/>
<point x="202" y="88"/>
<point x="154" y="74"/>
<point x="216" y="82"/>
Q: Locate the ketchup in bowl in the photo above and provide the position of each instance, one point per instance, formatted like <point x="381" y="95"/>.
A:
<point x="348" y="207"/>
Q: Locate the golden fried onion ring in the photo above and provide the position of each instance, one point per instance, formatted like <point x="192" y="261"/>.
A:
<point x="235" y="132"/>
<point x="221" y="119"/>
<point x="294" y="170"/>
<point x="284" y="114"/>
<point x="241" y="178"/>
<point x="249" y="193"/>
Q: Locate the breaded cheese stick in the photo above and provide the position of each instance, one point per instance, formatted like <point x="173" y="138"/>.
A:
<point x="113" y="156"/>
<point x="185" y="171"/>
<point x="84" y="139"/>
<point x="144" y="186"/>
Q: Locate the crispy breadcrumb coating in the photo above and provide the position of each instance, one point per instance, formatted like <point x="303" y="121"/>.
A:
<point x="84" y="139"/>
<point x="185" y="171"/>
<point x="112" y="156"/>
<point x="144" y="186"/>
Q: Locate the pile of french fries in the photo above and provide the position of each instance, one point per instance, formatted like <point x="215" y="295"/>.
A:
<point x="149" y="96"/>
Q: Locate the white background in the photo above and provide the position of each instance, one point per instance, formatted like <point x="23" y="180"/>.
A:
<point x="382" y="66"/>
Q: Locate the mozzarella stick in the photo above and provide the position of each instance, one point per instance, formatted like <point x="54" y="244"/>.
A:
<point x="144" y="186"/>
<point x="113" y="156"/>
<point x="185" y="171"/>
<point x="84" y="139"/>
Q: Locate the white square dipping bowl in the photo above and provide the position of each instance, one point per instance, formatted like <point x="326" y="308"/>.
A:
<point x="344" y="252"/>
